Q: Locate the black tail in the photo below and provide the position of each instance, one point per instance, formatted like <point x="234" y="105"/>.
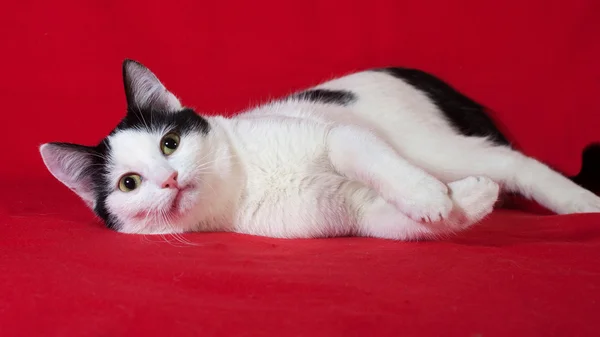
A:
<point x="589" y="176"/>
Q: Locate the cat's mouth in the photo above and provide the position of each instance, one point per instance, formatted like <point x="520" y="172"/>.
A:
<point x="181" y="192"/>
<point x="173" y="208"/>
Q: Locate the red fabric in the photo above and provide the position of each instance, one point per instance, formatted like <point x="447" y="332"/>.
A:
<point x="62" y="274"/>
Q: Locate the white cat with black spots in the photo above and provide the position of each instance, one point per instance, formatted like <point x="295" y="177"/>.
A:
<point x="390" y="153"/>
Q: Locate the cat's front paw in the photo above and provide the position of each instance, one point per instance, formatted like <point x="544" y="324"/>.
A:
<point x="427" y="202"/>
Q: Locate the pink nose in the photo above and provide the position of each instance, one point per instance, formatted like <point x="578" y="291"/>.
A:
<point x="171" y="182"/>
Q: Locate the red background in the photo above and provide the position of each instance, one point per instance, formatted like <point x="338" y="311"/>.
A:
<point x="61" y="274"/>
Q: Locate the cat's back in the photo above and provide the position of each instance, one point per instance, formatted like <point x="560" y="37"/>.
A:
<point x="423" y="118"/>
<point x="391" y="106"/>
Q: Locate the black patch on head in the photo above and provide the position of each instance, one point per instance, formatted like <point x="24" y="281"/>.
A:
<point x="466" y="116"/>
<point x="326" y="96"/>
<point x="182" y="122"/>
<point x="101" y="184"/>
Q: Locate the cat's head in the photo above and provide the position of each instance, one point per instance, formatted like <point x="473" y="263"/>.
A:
<point x="149" y="174"/>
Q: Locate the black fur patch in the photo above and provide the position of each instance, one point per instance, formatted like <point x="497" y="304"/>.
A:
<point x="101" y="185"/>
<point x="467" y="116"/>
<point x="589" y="175"/>
<point x="326" y="96"/>
<point x="183" y="122"/>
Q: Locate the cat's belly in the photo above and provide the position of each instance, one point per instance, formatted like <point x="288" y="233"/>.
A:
<point x="298" y="207"/>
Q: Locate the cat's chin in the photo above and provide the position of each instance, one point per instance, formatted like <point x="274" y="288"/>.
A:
<point x="180" y="203"/>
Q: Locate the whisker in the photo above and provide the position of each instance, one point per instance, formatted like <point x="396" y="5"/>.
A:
<point x="213" y="161"/>
<point x="209" y="185"/>
<point x="206" y="155"/>
<point x="141" y="115"/>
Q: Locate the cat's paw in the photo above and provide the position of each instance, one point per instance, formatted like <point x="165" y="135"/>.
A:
<point x="428" y="201"/>
<point x="474" y="197"/>
<point x="584" y="202"/>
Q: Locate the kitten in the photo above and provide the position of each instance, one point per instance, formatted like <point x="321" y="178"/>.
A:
<point x="390" y="153"/>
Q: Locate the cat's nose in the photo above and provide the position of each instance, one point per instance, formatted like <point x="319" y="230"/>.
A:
<point x="171" y="181"/>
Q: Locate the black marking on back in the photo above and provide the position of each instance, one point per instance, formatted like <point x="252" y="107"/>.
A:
<point x="183" y="121"/>
<point x="466" y="116"/>
<point x="326" y="96"/>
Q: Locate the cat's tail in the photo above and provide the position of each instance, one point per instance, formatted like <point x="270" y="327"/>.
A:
<point x="589" y="175"/>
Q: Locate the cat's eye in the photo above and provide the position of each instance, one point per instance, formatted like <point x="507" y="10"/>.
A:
<point x="169" y="143"/>
<point x="130" y="182"/>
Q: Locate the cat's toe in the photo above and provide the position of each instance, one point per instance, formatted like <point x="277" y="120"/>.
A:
<point x="428" y="207"/>
<point x="474" y="196"/>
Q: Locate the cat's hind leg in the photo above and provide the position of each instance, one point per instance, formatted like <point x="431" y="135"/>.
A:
<point x="516" y="172"/>
<point x="549" y="188"/>
<point x="454" y="157"/>
<point x="360" y="156"/>
<point x="473" y="199"/>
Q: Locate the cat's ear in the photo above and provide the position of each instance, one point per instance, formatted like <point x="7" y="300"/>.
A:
<point x="145" y="91"/>
<point x="71" y="164"/>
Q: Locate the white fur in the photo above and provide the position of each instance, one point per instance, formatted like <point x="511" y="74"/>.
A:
<point x="387" y="165"/>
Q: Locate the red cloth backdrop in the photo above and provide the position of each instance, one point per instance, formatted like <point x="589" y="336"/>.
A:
<point x="536" y="63"/>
